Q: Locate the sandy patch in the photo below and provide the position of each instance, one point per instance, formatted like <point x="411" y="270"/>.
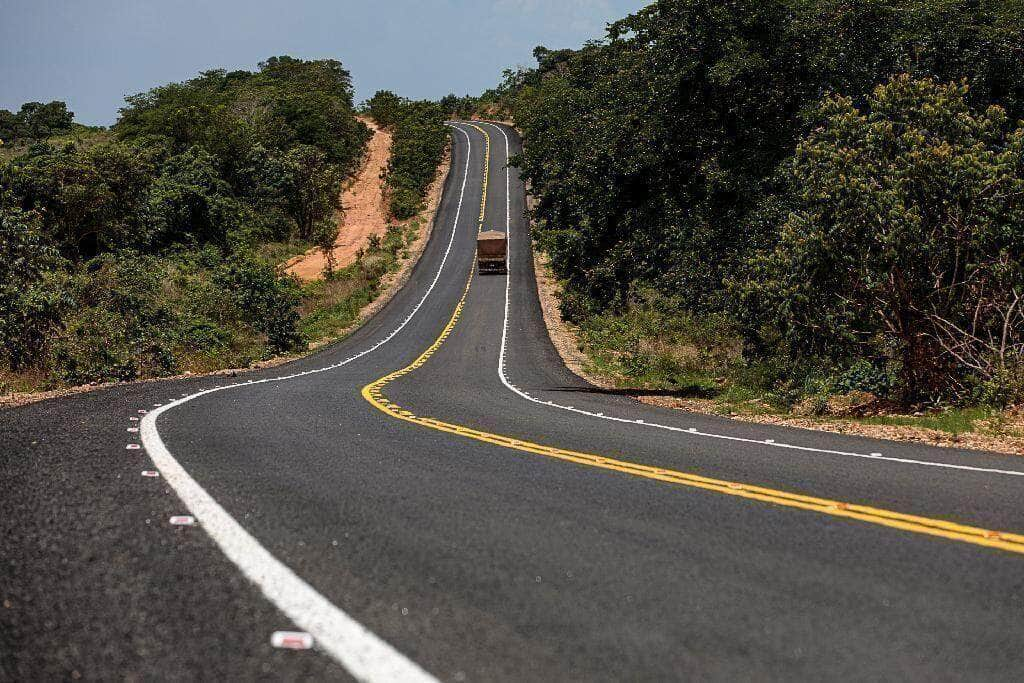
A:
<point x="392" y="282"/>
<point x="364" y="212"/>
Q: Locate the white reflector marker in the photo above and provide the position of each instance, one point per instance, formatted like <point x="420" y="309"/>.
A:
<point x="132" y="430"/>
<point x="142" y="411"/>
<point x="133" y="447"/>
<point x="291" y="640"/>
<point x="133" y="419"/>
<point x="150" y="473"/>
<point x="183" y="520"/>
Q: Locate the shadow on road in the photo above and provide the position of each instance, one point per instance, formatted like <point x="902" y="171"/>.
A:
<point x="684" y="392"/>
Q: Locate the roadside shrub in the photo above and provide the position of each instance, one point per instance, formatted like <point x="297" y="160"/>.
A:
<point x="264" y="300"/>
<point x="118" y="329"/>
<point x="906" y="243"/>
<point x="26" y="314"/>
<point x="404" y="203"/>
<point x="866" y="376"/>
<point x="94" y="346"/>
<point x="419" y="139"/>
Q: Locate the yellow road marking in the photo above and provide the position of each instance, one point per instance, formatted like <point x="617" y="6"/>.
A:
<point x="374" y="394"/>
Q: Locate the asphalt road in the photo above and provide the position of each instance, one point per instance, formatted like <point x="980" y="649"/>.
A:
<point x="484" y="514"/>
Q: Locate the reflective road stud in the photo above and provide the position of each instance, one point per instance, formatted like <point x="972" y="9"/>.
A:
<point x="150" y="473"/>
<point x="183" y="520"/>
<point x="291" y="640"/>
<point x="132" y="447"/>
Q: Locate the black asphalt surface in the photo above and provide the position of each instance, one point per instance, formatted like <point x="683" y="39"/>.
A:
<point x="479" y="562"/>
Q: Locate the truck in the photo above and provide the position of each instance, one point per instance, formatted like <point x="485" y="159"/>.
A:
<point x="492" y="252"/>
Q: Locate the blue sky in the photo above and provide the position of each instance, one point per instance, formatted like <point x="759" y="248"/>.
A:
<point x="91" y="53"/>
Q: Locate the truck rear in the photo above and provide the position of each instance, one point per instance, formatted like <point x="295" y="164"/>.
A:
<point x="492" y="252"/>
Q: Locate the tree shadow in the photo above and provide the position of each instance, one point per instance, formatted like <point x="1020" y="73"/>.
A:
<point x="692" y="391"/>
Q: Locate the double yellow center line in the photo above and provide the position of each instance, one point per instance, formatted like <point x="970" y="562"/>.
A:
<point x="374" y="394"/>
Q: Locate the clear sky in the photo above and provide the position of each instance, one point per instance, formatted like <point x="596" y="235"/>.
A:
<point x="91" y="53"/>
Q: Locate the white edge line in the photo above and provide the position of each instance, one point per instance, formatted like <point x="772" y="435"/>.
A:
<point x="361" y="652"/>
<point x="655" y="425"/>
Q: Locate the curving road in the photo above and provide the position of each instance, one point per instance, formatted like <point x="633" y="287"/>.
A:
<point x="438" y="497"/>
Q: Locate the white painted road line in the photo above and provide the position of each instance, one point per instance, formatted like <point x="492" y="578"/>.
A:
<point x="655" y="425"/>
<point x="361" y="652"/>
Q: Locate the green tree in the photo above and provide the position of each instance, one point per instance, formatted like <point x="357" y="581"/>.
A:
<point x="35" y="121"/>
<point x="325" y="235"/>
<point x="312" y="187"/>
<point x="265" y="301"/>
<point x="385" y="108"/>
<point x="906" y="242"/>
<point x="28" y="310"/>
<point x="8" y="126"/>
<point x="190" y="202"/>
<point x="39" y="121"/>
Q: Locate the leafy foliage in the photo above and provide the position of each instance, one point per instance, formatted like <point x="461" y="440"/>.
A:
<point x="35" y="121"/>
<point x="134" y="255"/>
<point x="662" y="158"/>
<point x="27" y="306"/>
<point x="418" y="143"/>
<point x="906" y="239"/>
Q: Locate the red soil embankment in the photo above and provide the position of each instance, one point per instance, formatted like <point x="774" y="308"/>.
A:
<point x="364" y="212"/>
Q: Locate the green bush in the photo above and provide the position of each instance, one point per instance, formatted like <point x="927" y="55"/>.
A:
<point x="29" y="306"/>
<point x="131" y="253"/>
<point x="419" y="139"/>
<point x="117" y="329"/>
<point x="906" y="240"/>
<point x="265" y="301"/>
<point x="404" y="203"/>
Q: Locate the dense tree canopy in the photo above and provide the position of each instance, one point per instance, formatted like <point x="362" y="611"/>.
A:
<point x="35" y="121"/>
<point x="121" y="251"/>
<point x="419" y="138"/>
<point x="660" y="156"/>
<point x="907" y="232"/>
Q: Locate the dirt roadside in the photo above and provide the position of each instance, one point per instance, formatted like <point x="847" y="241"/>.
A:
<point x="364" y="213"/>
